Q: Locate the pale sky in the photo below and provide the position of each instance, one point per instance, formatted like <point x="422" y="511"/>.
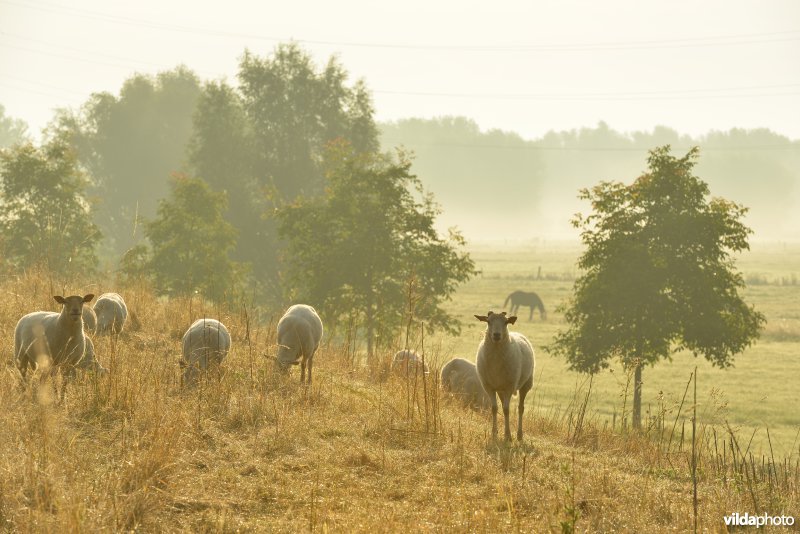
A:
<point x="527" y="66"/>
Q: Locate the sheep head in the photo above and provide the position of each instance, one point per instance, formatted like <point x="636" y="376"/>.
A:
<point x="497" y="325"/>
<point x="73" y="305"/>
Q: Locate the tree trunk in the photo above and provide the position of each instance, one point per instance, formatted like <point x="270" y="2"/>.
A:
<point x="637" y="397"/>
<point x="370" y="319"/>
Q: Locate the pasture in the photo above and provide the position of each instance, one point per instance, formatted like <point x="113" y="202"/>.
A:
<point x="759" y="392"/>
<point x="251" y="450"/>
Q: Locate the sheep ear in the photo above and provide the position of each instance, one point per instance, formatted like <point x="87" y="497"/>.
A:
<point x="88" y="298"/>
<point x="59" y="299"/>
<point x="482" y="318"/>
<point x="511" y="320"/>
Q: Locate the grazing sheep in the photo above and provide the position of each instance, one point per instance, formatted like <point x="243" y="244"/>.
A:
<point x="460" y="377"/>
<point x="407" y="362"/>
<point x="89" y="320"/>
<point x="505" y="365"/>
<point x="205" y="344"/>
<point x="89" y="361"/>
<point x="299" y="335"/>
<point x="111" y="313"/>
<point x="49" y="337"/>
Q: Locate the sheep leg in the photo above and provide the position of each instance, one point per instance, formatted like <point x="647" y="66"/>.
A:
<point x="506" y="406"/>
<point x="303" y="370"/>
<point x="493" y="394"/>
<point x="523" y="391"/>
<point x="310" y="364"/>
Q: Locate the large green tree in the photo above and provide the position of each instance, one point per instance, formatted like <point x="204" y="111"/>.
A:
<point x="45" y="217"/>
<point x="130" y="143"/>
<point x="659" y="274"/>
<point x="368" y="247"/>
<point x="191" y="243"/>
<point x="262" y="142"/>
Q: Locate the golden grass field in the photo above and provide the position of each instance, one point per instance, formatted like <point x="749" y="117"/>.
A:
<point x="253" y="451"/>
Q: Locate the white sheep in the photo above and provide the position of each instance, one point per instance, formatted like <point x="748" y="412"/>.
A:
<point x="206" y="343"/>
<point x="111" y="313"/>
<point x="89" y="362"/>
<point x="50" y="338"/>
<point x="460" y="377"/>
<point x="299" y="335"/>
<point x="407" y="363"/>
<point x="505" y="365"/>
<point x="89" y="320"/>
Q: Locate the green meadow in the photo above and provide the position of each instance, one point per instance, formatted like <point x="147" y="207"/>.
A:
<point x="759" y="393"/>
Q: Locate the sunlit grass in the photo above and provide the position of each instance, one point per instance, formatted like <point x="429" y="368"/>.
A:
<point x="250" y="450"/>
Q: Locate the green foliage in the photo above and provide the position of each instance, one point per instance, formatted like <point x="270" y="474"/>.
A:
<point x="659" y="276"/>
<point x="263" y="142"/>
<point x="130" y="144"/>
<point x="12" y="131"/>
<point x="369" y="245"/>
<point x="45" y="218"/>
<point x="191" y="243"/>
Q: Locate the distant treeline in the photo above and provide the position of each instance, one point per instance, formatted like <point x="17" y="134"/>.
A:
<point x="488" y="180"/>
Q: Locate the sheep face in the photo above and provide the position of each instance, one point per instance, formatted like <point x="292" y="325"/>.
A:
<point x="73" y="305"/>
<point x="287" y="356"/>
<point x="497" y="325"/>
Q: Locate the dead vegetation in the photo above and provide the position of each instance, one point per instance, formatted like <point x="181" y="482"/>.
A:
<point x="359" y="451"/>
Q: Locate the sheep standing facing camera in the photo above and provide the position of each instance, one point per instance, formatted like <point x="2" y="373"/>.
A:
<point x="52" y="340"/>
<point x="205" y="344"/>
<point x="505" y="365"/>
<point x="299" y="335"/>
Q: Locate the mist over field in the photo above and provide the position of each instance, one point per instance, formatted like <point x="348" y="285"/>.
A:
<point x="531" y="185"/>
<point x="543" y="260"/>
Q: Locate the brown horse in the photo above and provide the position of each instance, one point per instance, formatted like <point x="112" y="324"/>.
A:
<point x="521" y="298"/>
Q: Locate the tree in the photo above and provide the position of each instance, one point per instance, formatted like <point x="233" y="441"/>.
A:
<point x="191" y="242"/>
<point x="263" y="142"/>
<point x="368" y="247"/>
<point x="130" y="144"/>
<point x="659" y="276"/>
<point x="12" y="131"/>
<point x="45" y="217"/>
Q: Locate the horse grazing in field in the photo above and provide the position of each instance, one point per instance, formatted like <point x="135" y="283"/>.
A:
<point x="521" y="298"/>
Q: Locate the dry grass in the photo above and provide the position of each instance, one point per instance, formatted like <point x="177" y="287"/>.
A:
<point x="249" y="450"/>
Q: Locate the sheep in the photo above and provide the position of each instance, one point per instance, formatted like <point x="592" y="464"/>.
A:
<point x="206" y="343"/>
<point x="111" y="313"/>
<point x="89" y="361"/>
<point x="460" y="377"/>
<point x="57" y="339"/>
<point x="407" y="362"/>
<point x="299" y="335"/>
<point x="505" y="365"/>
<point x="89" y="320"/>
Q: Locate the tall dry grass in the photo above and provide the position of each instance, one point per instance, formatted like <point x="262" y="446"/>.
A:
<point x="361" y="450"/>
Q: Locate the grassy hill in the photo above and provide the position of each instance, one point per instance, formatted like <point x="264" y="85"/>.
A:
<point x="254" y="451"/>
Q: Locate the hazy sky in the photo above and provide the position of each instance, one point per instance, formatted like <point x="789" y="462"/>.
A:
<point x="527" y="66"/>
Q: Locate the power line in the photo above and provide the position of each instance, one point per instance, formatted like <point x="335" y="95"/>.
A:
<point x="717" y="40"/>
<point x="664" y="94"/>
<point x="530" y="145"/>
